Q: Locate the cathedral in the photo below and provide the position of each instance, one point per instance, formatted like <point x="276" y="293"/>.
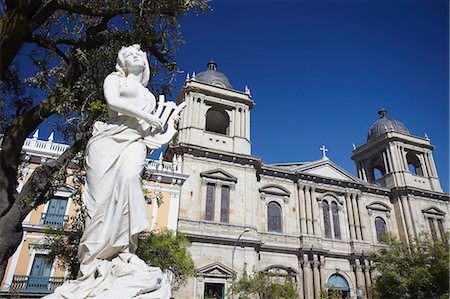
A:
<point x="314" y="221"/>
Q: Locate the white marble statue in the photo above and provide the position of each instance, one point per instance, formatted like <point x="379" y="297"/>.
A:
<point x="117" y="211"/>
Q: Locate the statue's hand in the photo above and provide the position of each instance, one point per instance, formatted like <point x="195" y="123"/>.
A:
<point x="155" y="123"/>
<point x="176" y="119"/>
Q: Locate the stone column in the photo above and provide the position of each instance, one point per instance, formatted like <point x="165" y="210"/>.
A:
<point x="366" y="268"/>
<point x="308" y="285"/>
<point x="398" y="208"/>
<point x="315" y="213"/>
<point x="360" y="280"/>
<point x="432" y="165"/>
<point x="309" y="217"/>
<point x="237" y="122"/>
<point x="302" y="207"/>
<point x="407" y="215"/>
<point x="403" y="152"/>
<point x="351" y="222"/>
<point x="300" y="281"/>
<point x="386" y="164"/>
<point x="242" y="134"/>
<point x="356" y="215"/>
<point x="427" y="165"/>
<point x="233" y="123"/>
<point x="423" y="166"/>
<point x="316" y="272"/>
<point x="190" y="109"/>
<point x="363" y="221"/>
<point x="395" y="158"/>
<point x="247" y="125"/>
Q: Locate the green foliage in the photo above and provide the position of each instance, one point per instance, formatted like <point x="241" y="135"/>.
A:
<point x="264" y="285"/>
<point x="419" y="270"/>
<point x="331" y="294"/>
<point x="167" y="250"/>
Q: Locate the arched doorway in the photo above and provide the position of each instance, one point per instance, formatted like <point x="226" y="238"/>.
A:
<point x="338" y="285"/>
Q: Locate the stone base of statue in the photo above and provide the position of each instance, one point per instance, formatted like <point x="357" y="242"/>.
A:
<point x="126" y="276"/>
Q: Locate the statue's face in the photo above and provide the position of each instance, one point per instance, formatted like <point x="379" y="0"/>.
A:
<point x="134" y="59"/>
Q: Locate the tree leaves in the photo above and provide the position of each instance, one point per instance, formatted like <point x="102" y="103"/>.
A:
<point x="418" y="270"/>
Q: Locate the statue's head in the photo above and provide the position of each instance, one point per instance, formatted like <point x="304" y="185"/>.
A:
<point x="132" y="57"/>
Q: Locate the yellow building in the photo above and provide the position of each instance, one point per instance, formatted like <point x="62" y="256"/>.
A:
<point x="28" y="274"/>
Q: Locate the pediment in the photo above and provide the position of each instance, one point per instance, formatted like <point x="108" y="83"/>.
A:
<point x="218" y="174"/>
<point x="326" y="168"/>
<point x="274" y="189"/>
<point x="215" y="270"/>
<point x="379" y="206"/>
<point x="434" y="211"/>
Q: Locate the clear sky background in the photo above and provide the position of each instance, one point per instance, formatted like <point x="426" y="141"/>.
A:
<point x="320" y="70"/>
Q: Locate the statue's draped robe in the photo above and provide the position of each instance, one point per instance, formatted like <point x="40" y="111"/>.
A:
<point x="117" y="213"/>
<point x="116" y="207"/>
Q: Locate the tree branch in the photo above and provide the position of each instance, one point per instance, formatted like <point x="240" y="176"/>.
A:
<point x="49" y="44"/>
<point x="89" y="11"/>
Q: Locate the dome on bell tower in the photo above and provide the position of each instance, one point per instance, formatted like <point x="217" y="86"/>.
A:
<point x="213" y="76"/>
<point x="386" y="124"/>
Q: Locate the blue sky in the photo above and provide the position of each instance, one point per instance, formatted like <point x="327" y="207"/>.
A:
<point x="320" y="70"/>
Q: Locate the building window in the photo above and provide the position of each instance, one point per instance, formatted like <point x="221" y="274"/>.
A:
<point x="210" y="206"/>
<point x="40" y="273"/>
<point x="435" y="218"/>
<point x="336" y="226"/>
<point x="330" y="211"/>
<point x="217" y="121"/>
<point x="225" y="204"/>
<point x="211" y="203"/>
<point x="326" y="219"/>
<point x="214" y="290"/>
<point x="432" y="228"/>
<point x="441" y="229"/>
<point x="274" y="217"/>
<point x="56" y="212"/>
<point x="380" y="227"/>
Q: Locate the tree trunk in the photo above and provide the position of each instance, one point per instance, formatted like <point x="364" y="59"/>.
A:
<point x="11" y="233"/>
<point x="15" y="26"/>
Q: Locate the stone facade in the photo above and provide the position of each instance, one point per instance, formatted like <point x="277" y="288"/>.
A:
<point x="313" y="221"/>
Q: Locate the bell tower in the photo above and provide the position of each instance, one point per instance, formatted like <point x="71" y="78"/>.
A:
<point x="392" y="157"/>
<point x="216" y="115"/>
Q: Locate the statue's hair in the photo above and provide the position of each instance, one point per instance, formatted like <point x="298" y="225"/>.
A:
<point x="121" y="68"/>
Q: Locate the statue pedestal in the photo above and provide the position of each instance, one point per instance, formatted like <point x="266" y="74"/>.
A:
<point x="126" y="276"/>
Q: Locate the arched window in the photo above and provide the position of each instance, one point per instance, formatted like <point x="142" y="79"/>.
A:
<point x="377" y="174"/>
<point x="380" y="227"/>
<point x="337" y="282"/>
<point x="326" y="219"/>
<point x="274" y="217"/>
<point x="217" y="121"/>
<point x="414" y="165"/>
<point x="337" y="228"/>
<point x="378" y="170"/>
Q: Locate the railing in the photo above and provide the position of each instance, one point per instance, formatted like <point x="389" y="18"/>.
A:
<point x="36" y="283"/>
<point x="163" y="166"/>
<point x="53" y="219"/>
<point x="43" y="146"/>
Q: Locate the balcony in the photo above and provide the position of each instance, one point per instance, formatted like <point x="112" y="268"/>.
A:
<point x="42" y="284"/>
<point x="54" y="220"/>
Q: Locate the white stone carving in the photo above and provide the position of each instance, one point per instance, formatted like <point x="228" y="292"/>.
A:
<point x="117" y="211"/>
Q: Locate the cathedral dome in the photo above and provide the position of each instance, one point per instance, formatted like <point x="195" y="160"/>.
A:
<point x="386" y="124"/>
<point x="213" y="77"/>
